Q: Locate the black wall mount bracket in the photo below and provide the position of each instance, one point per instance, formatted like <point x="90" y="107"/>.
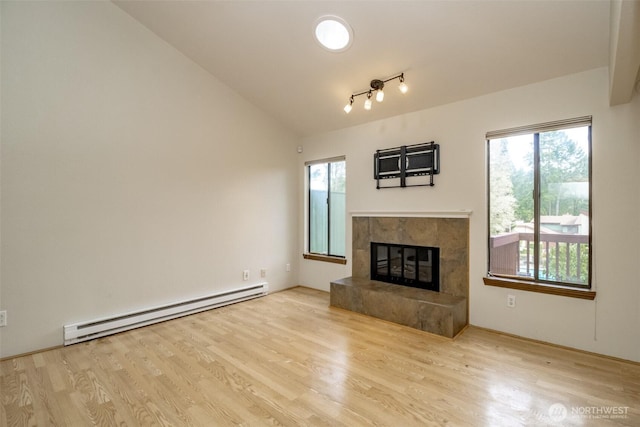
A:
<point x="406" y="166"/>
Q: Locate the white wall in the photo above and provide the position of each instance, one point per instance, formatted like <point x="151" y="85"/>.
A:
<point x="121" y="186"/>
<point x="605" y="325"/>
<point x="130" y="176"/>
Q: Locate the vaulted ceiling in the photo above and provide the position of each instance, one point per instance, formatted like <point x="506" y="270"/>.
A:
<point x="448" y="50"/>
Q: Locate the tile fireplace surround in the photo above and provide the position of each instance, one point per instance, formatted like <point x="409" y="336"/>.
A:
<point x="444" y="313"/>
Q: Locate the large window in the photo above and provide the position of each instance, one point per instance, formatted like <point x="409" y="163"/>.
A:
<point x="326" y="211"/>
<point x="540" y="204"/>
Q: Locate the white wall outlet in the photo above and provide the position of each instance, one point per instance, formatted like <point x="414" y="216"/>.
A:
<point x="288" y="267"/>
<point x="3" y="318"/>
<point x="511" y="301"/>
<point x="245" y="275"/>
<point x="263" y="272"/>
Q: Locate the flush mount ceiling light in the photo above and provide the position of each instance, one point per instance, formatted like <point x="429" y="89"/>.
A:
<point x="333" y="33"/>
<point x="377" y="86"/>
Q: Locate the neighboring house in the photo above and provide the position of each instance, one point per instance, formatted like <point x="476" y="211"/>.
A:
<point x="566" y="224"/>
<point x="556" y="224"/>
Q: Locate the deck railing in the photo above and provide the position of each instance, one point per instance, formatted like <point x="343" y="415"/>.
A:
<point x="563" y="257"/>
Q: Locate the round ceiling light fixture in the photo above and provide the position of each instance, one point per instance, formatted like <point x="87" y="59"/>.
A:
<point x="333" y="33"/>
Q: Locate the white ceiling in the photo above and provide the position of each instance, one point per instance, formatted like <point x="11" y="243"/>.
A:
<point x="448" y="50"/>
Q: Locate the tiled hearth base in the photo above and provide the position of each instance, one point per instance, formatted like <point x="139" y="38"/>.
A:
<point x="429" y="311"/>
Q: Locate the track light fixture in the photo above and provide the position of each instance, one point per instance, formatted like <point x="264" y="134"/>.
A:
<point x="377" y="86"/>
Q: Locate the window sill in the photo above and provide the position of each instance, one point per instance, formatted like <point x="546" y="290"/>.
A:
<point x="524" y="285"/>
<point x="325" y="258"/>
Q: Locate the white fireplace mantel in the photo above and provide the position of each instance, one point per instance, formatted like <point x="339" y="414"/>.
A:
<point x="461" y="213"/>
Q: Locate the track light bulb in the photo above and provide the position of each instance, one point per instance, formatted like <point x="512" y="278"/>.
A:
<point x="379" y="95"/>
<point x="367" y="103"/>
<point x="403" y="86"/>
<point x="349" y="106"/>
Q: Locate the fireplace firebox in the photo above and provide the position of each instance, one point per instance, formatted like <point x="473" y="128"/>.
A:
<point x="415" y="266"/>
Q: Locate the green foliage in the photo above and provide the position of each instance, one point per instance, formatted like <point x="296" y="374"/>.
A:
<point x="339" y="177"/>
<point x="566" y="273"/>
<point x="564" y="177"/>
<point x="503" y="201"/>
<point x="522" y="181"/>
<point x="562" y="163"/>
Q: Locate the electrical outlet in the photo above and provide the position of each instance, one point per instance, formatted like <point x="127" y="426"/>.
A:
<point x="288" y="267"/>
<point x="263" y="272"/>
<point x="245" y="275"/>
<point x="511" y="301"/>
<point x="3" y="318"/>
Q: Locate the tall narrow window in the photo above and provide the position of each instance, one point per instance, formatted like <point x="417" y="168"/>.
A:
<point x="540" y="204"/>
<point x="326" y="210"/>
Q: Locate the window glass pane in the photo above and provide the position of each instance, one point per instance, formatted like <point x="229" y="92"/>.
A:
<point x="318" y="208"/>
<point x="395" y="261"/>
<point x="337" y="209"/>
<point x="383" y="261"/>
<point x="511" y="215"/>
<point x="564" y="205"/>
<point x="410" y="263"/>
<point x="425" y="265"/>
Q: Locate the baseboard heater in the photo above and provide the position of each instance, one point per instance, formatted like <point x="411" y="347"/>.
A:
<point x="86" y="331"/>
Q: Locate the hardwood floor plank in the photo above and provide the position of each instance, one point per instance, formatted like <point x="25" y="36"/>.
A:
<point x="290" y="359"/>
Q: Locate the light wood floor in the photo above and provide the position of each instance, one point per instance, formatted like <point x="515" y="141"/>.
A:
<point x="289" y="359"/>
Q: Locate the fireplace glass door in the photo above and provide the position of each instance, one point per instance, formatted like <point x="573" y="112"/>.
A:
<point x="415" y="266"/>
